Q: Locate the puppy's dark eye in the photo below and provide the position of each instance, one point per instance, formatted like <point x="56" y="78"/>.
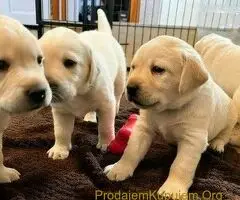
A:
<point x="4" y="65"/>
<point x="39" y="60"/>
<point x="158" y="70"/>
<point x="130" y="68"/>
<point x="68" y="63"/>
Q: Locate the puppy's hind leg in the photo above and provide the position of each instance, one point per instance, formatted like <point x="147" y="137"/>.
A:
<point x="106" y="122"/>
<point x="235" y="137"/>
<point x="119" y="86"/>
<point x="235" y="140"/>
<point x="236" y="101"/>
<point x="220" y="141"/>
<point x="90" y="117"/>
<point x="223" y="137"/>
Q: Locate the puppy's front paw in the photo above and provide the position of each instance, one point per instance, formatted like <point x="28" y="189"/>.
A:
<point x="217" y="145"/>
<point x="173" y="189"/>
<point x="58" y="152"/>
<point x="8" y="175"/>
<point x="118" y="172"/>
<point x="102" y="147"/>
<point x="103" y="143"/>
<point x="90" y="117"/>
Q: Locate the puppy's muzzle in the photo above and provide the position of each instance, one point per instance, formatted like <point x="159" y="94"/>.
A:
<point x="53" y="86"/>
<point x="132" y="91"/>
<point x="57" y="96"/>
<point x="36" y="96"/>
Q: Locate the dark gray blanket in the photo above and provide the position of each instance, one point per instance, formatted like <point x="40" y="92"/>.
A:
<point x="28" y="138"/>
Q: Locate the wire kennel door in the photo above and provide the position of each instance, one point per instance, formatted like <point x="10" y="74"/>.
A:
<point x="135" y="22"/>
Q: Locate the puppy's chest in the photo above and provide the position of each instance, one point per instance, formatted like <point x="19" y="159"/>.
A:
<point x="80" y="107"/>
<point x="168" y="127"/>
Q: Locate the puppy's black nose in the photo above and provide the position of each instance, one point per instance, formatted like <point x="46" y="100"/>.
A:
<point x="132" y="90"/>
<point x="37" y="96"/>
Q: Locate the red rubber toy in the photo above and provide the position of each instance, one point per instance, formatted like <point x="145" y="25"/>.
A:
<point x="118" y="145"/>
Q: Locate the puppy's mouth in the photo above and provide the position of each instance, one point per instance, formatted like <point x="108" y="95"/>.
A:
<point x="141" y="105"/>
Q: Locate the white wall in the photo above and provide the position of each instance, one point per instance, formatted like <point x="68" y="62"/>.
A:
<point x="23" y="10"/>
<point x="207" y="13"/>
<point x="220" y="14"/>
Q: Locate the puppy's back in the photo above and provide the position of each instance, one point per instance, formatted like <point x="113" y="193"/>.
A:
<point x="222" y="59"/>
<point x="106" y="47"/>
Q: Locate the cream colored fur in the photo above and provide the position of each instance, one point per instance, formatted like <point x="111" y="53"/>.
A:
<point x="182" y="104"/>
<point x="94" y="83"/>
<point x="20" y="72"/>
<point x="222" y="59"/>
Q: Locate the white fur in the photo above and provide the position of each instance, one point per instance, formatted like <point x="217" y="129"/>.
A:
<point x="222" y="59"/>
<point x="95" y="84"/>
<point x="184" y="105"/>
<point x="18" y="48"/>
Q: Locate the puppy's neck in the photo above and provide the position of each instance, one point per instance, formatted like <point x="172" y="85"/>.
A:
<point x="182" y="101"/>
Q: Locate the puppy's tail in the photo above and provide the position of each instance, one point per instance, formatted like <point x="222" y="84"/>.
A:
<point x="103" y="24"/>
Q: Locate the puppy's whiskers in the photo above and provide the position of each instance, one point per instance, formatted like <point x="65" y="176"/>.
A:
<point x="56" y="94"/>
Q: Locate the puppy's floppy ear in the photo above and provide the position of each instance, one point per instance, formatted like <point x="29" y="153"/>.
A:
<point x="194" y="73"/>
<point x="93" y="67"/>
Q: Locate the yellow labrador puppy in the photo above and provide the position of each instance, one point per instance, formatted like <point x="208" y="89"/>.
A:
<point x="178" y="100"/>
<point x="222" y="59"/>
<point x="87" y="73"/>
<point x="23" y="86"/>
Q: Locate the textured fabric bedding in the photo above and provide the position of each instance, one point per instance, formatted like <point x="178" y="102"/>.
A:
<point x="81" y="177"/>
